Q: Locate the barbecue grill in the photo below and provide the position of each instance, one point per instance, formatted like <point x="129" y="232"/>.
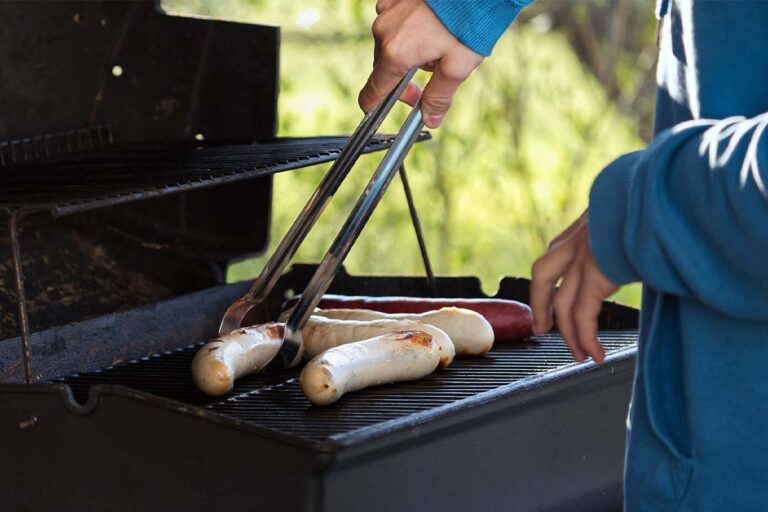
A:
<point x="130" y="141"/>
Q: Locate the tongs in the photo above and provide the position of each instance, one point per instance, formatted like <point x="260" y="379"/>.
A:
<point x="291" y="349"/>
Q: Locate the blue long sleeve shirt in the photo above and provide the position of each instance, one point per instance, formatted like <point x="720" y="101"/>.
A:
<point x="478" y="24"/>
<point x="688" y="216"/>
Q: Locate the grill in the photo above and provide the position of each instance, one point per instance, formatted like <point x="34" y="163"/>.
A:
<point x="523" y="423"/>
<point x="122" y="174"/>
<point x="275" y="402"/>
<point x="119" y="191"/>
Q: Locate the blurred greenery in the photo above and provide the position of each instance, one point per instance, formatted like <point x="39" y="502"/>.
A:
<point x="511" y="166"/>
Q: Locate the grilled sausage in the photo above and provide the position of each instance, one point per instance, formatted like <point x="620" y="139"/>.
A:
<point x="394" y="357"/>
<point x="322" y="333"/>
<point x="511" y="320"/>
<point x="236" y="354"/>
<point x="247" y="350"/>
<point x="469" y="331"/>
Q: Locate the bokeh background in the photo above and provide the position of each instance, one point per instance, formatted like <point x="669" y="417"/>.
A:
<point x="568" y="88"/>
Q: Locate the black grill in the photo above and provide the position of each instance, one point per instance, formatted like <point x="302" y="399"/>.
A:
<point x="524" y="422"/>
<point x="277" y="403"/>
<point x="120" y="174"/>
<point x="522" y="428"/>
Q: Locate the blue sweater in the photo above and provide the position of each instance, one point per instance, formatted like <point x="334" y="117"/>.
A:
<point x="688" y="216"/>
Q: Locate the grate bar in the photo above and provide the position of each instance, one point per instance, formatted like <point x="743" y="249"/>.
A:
<point x="275" y="401"/>
<point x="119" y="174"/>
<point x="40" y="147"/>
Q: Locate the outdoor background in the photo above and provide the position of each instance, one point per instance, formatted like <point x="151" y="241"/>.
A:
<point x="568" y="88"/>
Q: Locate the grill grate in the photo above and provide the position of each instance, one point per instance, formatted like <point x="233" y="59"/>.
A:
<point x="51" y="145"/>
<point x="120" y="174"/>
<point x="275" y="401"/>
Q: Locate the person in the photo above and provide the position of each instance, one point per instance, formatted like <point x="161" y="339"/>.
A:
<point x="687" y="217"/>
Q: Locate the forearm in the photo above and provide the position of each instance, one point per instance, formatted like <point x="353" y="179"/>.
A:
<point x="689" y="215"/>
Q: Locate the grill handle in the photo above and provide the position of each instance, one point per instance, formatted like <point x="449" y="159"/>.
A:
<point x="290" y="243"/>
<point x="291" y="350"/>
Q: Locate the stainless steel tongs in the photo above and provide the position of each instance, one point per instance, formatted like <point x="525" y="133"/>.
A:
<point x="291" y="350"/>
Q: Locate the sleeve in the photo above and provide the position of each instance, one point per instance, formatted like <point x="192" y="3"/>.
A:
<point x="688" y="216"/>
<point x="478" y="24"/>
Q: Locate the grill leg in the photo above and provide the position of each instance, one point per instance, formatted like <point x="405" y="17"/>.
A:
<point x="419" y="235"/>
<point x="13" y="233"/>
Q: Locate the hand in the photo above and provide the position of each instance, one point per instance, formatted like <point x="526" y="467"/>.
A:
<point x="407" y="34"/>
<point x="579" y="298"/>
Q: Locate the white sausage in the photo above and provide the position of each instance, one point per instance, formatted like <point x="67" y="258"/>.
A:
<point x="394" y="357"/>
<point x="236" y="354"/>
<point x="247" y="350"/>
<point x="469" y="331"/>
<point x="322" y="333"/>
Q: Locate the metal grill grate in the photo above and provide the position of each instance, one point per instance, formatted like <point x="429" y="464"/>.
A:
<point x="51" y="145"/>
<point x="121" y="174"/>
<point x="276" y="402"/>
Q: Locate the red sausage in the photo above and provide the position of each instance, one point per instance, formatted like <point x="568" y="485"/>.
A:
<point x="511" y="320"/>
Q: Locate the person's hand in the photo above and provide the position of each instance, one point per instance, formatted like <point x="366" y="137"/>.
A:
<point x="579" y="298"/>
<point x="407" y="34"/>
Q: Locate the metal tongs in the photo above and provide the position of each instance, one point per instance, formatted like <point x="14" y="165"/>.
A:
<point x="291" y="349"/>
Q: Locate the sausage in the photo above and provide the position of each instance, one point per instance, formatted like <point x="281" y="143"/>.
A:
<point x="236" y="354"/>
<point x="469" y="331"/>
<point x="247" y="350"/>
<point x="511" y="320"/>
<point x="322" y="333"/>
<point x="394" y="357"/>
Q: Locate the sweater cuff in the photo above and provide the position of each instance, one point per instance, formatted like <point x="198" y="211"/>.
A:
<point x="608" y="201"/>
<point x="477" y="24"/>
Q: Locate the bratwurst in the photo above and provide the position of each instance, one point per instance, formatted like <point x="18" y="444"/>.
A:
<point x="510" y="320"/>
<point x="470" y="332"/>
<point x="247" y="350"/>
<point x="394" y="357"/>
<point x="235" y="354"/>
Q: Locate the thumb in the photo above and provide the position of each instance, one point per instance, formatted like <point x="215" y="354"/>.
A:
<point x="438" y="94"/>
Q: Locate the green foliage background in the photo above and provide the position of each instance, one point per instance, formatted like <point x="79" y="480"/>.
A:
<point x="509" y="169"/>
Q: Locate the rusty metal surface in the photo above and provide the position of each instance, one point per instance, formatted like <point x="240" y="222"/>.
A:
<point x="21" y="299"/>
<point x="119" y="337"/>
<point x="76" y="269"/>
<point x="124" y="256"/>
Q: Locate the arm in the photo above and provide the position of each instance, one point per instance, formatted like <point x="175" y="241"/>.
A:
<point x="689" y="215"/>
<point x="448" y="37"/>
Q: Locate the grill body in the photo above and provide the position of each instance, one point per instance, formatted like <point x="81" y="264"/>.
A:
<point x="119" y="216"/>
<point x="520" y="429"/>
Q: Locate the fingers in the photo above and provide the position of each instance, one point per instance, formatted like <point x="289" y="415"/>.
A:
<point x="384" y="5"/>
<point x="544" y="275"/>
<point x="586" y="309"/>
<point x="585" y="312"/>
<point x="570" y="230"/>
<point x="448" y="75"/>
<point x="411" y="94"/>
<point x="438" y="95"/>
<point x="578" y="300"/>
<point x="383" y="79"/>
<point x="595" y="288"/>
<point x="563" y="305"/>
